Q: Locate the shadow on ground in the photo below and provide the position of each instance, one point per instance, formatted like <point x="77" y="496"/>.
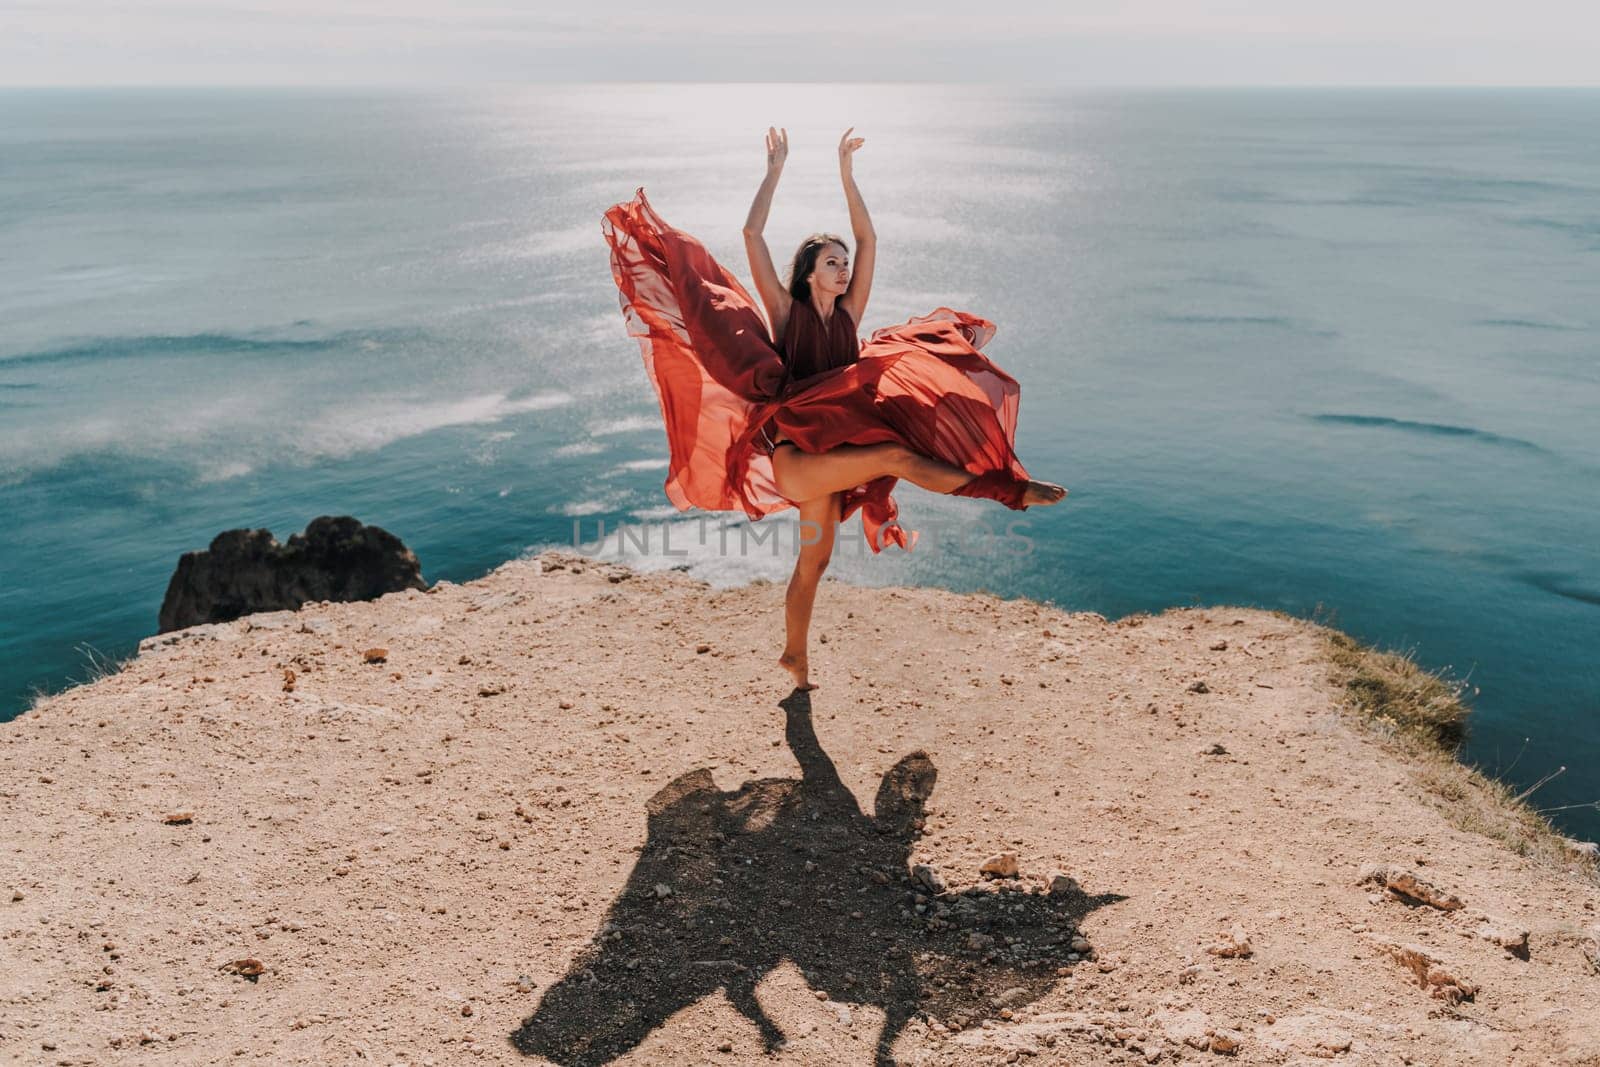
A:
<point x="732" y="884"/>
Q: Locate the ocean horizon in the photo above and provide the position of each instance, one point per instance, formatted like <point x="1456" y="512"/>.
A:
<point x="1330" y="352"/>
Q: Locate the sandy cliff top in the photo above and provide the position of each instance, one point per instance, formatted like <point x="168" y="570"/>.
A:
<point x="583" y="797"/>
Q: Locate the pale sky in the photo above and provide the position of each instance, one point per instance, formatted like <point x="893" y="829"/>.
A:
<point x="1068" y="42"/>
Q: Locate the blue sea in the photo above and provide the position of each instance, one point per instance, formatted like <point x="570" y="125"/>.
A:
<point x="1332" y="352"/>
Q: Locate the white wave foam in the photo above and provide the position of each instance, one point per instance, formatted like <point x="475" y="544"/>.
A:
<point x="629" y="424"/>
<point x="593" y="506"/>
<point x="654" y="464"/>
<point x="223" y="471"/>
<point x="580" y="448"/>
<point x="664" y="511"/>
<point x="342" y="433"/>
<point x="227" y="437"/>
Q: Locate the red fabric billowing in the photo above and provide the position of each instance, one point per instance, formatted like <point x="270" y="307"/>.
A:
<point x="719" y="377"/>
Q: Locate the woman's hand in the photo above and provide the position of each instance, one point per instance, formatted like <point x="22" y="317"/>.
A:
<point x="847" y="149"/>
<point x="777" y="149"/>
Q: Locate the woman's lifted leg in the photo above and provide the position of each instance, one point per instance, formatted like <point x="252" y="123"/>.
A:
<point x="806" y="475"/>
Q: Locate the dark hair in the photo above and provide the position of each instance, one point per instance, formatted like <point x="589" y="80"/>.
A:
<point x="805" y="261"/>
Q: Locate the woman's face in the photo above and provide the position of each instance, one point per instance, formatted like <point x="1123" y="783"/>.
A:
<point x="832" y="272"/>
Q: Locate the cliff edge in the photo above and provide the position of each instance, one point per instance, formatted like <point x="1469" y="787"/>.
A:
<point x="572" y="811"/>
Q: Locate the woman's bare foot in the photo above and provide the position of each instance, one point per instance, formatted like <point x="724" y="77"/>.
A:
<point x="1043" y="493"/>
<point x="796" y="665"/>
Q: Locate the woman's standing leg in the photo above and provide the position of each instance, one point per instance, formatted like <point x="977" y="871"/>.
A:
<point x="819" y="519"/>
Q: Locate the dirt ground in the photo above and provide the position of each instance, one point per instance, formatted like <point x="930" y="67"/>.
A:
<point x="576" y="812"/>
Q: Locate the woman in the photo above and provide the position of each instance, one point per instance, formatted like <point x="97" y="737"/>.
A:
<point x="802" y="415"/>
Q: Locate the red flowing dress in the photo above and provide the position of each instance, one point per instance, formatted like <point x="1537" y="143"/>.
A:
<point x="724" y="385"/>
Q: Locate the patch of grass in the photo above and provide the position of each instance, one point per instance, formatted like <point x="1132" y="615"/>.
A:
<point x="97" y="665"/>
<point x="1421" y="713"/>
<point x="37" y="695"/>
<point x="1391" y="689"/>
<point x="101" y="665"/>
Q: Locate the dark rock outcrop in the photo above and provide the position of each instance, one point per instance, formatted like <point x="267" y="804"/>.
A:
<point x="246" y="571"/>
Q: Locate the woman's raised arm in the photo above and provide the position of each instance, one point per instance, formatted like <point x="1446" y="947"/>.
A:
<point x="855" y="295"/>
<point x="774" y="297"/>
